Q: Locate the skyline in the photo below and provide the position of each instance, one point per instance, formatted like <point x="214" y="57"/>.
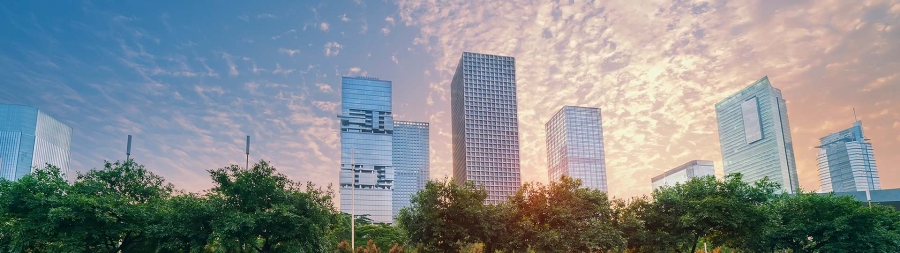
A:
<point x="190" y="92"/>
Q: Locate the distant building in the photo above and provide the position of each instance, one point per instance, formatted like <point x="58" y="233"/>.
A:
<point x="684" y="173"/>
<point x="367" y="129"/>
<point x="575" y="146"/>
<point x="411" y="161"/>
<point x="755" y="136"/>
<point x="485" y="124"/>
<point x="846" y="162"/>
<point x="30" y="138"/>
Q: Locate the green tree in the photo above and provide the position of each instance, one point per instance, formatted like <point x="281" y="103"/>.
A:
<point x="186" y="225"/>
<point x="28" y="211"/>
<point x="809" y="222"/>
<point x="722" y="212"/>
<point x="263" y="211"/>
<point x="444" y="217"/>
<point x="562" y="217"/>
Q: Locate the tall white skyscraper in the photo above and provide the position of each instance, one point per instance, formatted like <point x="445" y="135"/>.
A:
<point x="684" y="173"/>
<point x="367" y="129"/>
<point x="30" y="138"/>
<point x="575" y="146"/>
<point x="755" y="135"/>
<point x="485" y="124"/>
<point x="846" y="162"/>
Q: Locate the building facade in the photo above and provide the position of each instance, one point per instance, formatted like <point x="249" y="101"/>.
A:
<point x="367" y="128"/>
<point x="411" y="161"/>
<point x="485" y="124"/>
<point x="575" y="146"/>
<point x="30" y="138"/>
<point x="684" y="173"/>
<point x="755" y="136"/>
<point x="846" y="162"/>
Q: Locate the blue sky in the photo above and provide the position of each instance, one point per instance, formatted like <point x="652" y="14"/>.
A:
<point x="189" y="79"/>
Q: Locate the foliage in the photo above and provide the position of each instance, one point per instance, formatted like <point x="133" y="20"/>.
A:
<point x="444" y="217"/>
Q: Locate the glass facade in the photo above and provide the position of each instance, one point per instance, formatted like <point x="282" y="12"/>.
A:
<point x="485" y="124"/>
<point x="755" y="136"/>
<point x="411" y="161"/>
<point x="846" y="162"/>
<point x="367" y="129"/>
<point x="30" y="138"/>
<point x="575" y="146"/>
<point x="684" y="173"/>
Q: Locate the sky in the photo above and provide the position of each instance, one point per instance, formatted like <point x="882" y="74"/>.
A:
<point x="190" y="79"/>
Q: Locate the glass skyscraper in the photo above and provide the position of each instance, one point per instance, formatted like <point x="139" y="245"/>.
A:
<point x="411" y="163"/>
<point x="846" y="162"/>
<point x="575" y="146"/>
<point x="485" y="124"/>
<point x="367" y="129"/>
<point x="684" y="173"/>
<point x="755" y="136"/>
<point x="31" y="138"/>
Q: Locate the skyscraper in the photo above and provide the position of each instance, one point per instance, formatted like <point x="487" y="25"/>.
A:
<point x="485" y="124"/>
<point x="31" y="138"/>
<point x="367" y="129"/>
<point x="575" y="146"/>
<point x="755" y="135"/>
<point x="846" y="162"/>
<point x="411" y="163"/>
<point x="684" y="173"/>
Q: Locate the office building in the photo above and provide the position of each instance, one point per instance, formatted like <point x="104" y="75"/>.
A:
<point x="485" y="124"/>
<point x="411" y="161"/>
<point x="367" y="129"/>
<point x="30" y="138"/>
<point x="684" y="173"/>
<point x="755" y="136"/>
<point x="846" y="162"/>
<point x="575" y="146"/>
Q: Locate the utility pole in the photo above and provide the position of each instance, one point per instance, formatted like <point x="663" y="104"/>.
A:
<point x="247" y="166"/>
<point x="128" y="150"/>
<point x="353" y="202"/>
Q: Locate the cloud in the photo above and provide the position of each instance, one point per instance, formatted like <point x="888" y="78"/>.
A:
<point x="355" y="70"/>
<point x="324" y="87"/>
<point x="279" y="70"/>
<point x="385" y="31"/>
<point x="266" y="15"/>
<point x="657" y="78"/>
<point x="326" y="106"/>
<point x="394" y="59"/>
<point x="323" y="26"/>
<point x="288" y="32"/>
<point x="232" y="68"/>
<point x="332" y="49"/>
<point x="344" y="17"/>
<point x="290" y="52"/>
<point x="390" y="20"/>
<point x="244" y="17"/>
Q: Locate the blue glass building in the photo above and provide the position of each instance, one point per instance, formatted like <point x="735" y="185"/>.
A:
<point x="846" y="162"/>
<point x="755" y="136"/>
<point x="31" y="138"/>
<point x="367" y="129"/>
<point x="485" y="124"/>
<point x="575" y="146"/>
<point x="411" y="161"/>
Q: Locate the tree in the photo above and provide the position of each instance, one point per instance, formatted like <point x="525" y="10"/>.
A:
<point x="561" y="217"/>
<point x="809" y="222"/>
<point x="264" y="211"/>
<point x="26" y="206"/>
<point x="723" y="212"/>
<point x="444" y="217"/>
<point x="186" y="225"/>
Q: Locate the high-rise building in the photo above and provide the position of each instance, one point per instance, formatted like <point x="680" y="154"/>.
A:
<point x="30" y="138"/>
<point x="485" y="124"/>
<point x="684" y="173"/>
<point x="755" y="136"/>
<point x="846" y="162"/>
<point x="411" y="161"/>
<point x="367" y="129"/>
<point x="575" y="146"/>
